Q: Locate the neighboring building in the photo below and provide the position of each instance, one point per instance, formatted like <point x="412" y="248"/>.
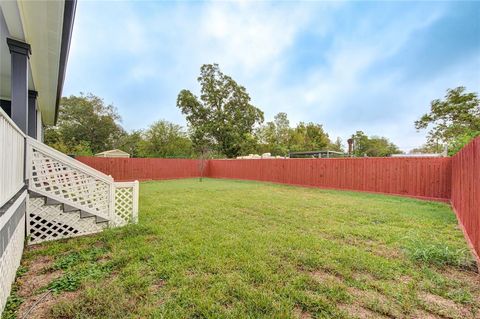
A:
<point x="44" y="194"/>
<point x="419" y="155"/>
<point x="316" y="154"/>
<point x="113" y="153"/>
<point x="256" y="156"/>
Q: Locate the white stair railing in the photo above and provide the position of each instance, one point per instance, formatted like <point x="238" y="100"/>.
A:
<point x="12" y="153"/>
<point x="55" y="175"/>
<point x="62" y="178"/>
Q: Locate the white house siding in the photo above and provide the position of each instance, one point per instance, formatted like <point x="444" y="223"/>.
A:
<point x="12" y="237"/>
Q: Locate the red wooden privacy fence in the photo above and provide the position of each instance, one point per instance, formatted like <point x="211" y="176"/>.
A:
<point x="130" y="169"/>
<point x="455" y="179"/>
<point x="465" y="197"/>
<point x="416" y="177"/>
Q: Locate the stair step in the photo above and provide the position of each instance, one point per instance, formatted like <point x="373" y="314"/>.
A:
<point x="68" y="208"/>
<point x="88" y="215"/>
<point x="85" y="214"/>
<point x="50" y="201"/>
<point x="101" y="220"/>
<point x="33" y="194"/>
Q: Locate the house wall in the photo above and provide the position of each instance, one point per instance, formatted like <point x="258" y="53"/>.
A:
<point x="12" y="237"/>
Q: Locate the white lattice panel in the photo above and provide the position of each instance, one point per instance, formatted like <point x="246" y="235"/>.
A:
<point x="49" y="222"/>
<point x="10" y="260"/>
<point x="61" y="178"/>
<point x="126" y="202"/>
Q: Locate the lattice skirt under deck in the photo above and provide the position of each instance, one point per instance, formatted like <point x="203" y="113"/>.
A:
<point x="49" y="222"/>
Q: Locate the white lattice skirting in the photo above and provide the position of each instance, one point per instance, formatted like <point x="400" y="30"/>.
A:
<point x="50" y="222"/>
<point x="10" y="260"/>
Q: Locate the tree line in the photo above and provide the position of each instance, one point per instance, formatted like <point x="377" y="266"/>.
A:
<point x="223" y="123"/>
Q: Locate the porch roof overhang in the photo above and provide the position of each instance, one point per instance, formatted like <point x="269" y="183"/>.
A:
<point x="47" y="27"/>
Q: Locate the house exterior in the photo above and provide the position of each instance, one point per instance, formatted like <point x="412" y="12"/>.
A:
<point x="113" y="153"/>
<point x="44" y="194"/>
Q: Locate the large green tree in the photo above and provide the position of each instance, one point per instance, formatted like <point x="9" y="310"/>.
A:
<point x="85" y="125"/>
<point x="165" y="139"/>
<point x="373" y="146"/>
<point x="309" y="137"/>
<point x="275" y="135"/>
<point x="278" y="138"/>
<point x="223" y="116"/>
<point x="131" y="142"/>
<point x="454" y="121"/>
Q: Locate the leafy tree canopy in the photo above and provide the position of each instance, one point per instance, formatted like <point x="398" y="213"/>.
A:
<point x="85" y="125"/>
<point x="278" y="138"/>
<point x="309" y="137"/>
<point x="454" y="121"/>
<point x="373" y="146"/>
<point x="274" y="136"/>
<point x="165" y="139"/>
<point x="223" y="116"/>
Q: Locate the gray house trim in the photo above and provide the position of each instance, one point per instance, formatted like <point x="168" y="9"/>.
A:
<point x="8" y="227"/>
<point x="19" y="52"/>
<point x="6" y="106"/>
<point x="32" y="113"/>
<point x="68" y="19"/>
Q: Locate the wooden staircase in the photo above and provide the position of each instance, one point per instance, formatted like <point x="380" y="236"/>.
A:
<point x="68" y="198"/>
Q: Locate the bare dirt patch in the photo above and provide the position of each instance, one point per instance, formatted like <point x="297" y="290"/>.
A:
<point x="444" y="307"/>
<point x="357" y="311"/>
<point x="324" y="276"/>
<point x="465" y="276"/>
<point x="301" y="314"/>
<point x="40" y="264"/>
<point x="42" y="303"/>
<point x="37" y="276"/>
<point x="374" y="300"/>
<point x="420" y="314"/>
<point x="157" y="286"/>
<point x="377" y="248"/>
<point x="364" y="277"/>
<point x="30" y="283"/>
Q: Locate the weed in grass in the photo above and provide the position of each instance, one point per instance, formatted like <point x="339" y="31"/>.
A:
<point x="13" y="303"/>
<point x="72" y="259"/>
<point x="14" y="300"/>
<point x="71" y="280"/>
<point x="99" y="300"/>
<point x="439" y="254"/>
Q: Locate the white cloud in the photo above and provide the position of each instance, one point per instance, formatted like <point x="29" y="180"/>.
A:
<point x="139" y="55"/>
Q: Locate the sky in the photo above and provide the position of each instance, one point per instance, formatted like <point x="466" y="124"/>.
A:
<point x="370" y="66"/>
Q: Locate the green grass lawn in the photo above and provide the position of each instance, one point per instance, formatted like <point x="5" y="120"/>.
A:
<point x="237" y="249"/>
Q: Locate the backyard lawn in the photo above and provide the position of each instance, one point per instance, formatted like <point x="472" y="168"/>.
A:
<point x="238" y="249"/>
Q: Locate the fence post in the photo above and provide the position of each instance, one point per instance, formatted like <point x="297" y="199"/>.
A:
<point x="135" y="194"/>
<point x="111" y="210"/>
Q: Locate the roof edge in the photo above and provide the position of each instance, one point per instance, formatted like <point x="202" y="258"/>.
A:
<point x="67" y="28"/>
